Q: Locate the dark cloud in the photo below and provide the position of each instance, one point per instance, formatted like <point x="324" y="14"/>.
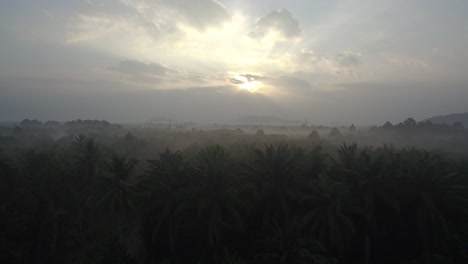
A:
<point x="281" y="20"/>
<point x="198" y="104"/>
<point x="252" y="77"/>
<point x="236" y="81"/>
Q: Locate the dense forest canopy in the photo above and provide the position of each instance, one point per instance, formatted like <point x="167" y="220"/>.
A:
<point x="93" y="192"/>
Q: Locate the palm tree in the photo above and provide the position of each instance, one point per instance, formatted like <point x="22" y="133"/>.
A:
<point x="288" y="244"/>
<point x="347" y="156"/>
<point x="434" y="195"/>
<point x="314" y="163"/>
<point x="328" y="218"/>
<point x="88" y="156"/>
<point x="275" y="171"/>
<point x="215" y="195"/>
<point x="118" y="194"/>
<point x="167" y="194"/>
<point x="370" y="182"/>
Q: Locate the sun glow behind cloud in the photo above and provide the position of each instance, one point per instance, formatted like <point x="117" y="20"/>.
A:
<point x="247" y="83"/>
<point x="232" y="45"/>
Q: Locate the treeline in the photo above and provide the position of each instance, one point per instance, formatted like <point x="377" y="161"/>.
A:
<point x="410" y="125"/>
<point x="80" y="202"/>
<point x="87" y="123"/>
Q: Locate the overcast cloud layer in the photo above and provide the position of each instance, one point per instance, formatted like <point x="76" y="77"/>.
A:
<point x="343" y="61"/>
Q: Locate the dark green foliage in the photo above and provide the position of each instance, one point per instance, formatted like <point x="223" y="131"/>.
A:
<point x="76" y="201"/>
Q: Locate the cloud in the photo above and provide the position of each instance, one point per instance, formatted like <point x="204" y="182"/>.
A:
<point x="199" y="14"/>
<point x="297" y="88"/>
<point x="347" y="59"/>
<point x="245" y="78"/>
<point x="97" y="23"/>
<point x="157" y="75"/>
<point x="139" y="68"/>
<point x="198" y="104"/>
<point x="343" y="63"/>
<point x="281" y="21"/>
<point x="143" y="20"/>
<point x="339" y="59"/>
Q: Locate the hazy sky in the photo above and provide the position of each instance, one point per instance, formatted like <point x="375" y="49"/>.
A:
<point x="361" y="61"/>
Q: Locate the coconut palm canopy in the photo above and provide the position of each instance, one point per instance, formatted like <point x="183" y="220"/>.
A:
<point x="258" y="199"/>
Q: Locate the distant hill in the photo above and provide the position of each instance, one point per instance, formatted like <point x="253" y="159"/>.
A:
<point x="450" y="119"/>
<point x="263" y="120"/>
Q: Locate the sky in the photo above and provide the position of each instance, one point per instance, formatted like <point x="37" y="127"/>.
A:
<point x="332" y="61"/>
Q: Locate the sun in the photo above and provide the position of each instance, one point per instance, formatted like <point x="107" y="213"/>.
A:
<point x="251" y="86"/>
<point x="246" y="83"/>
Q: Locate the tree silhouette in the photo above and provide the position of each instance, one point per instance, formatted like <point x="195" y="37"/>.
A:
<point x="118" y="194"/>
<point x="327" y="218"/>
<point x="164" y="182"/>
<point x="334" y="133"/>
<point x="314" y="135"/>
<point x="260" y="133"/>
<point x="215" y="195"/>
<point x="433" y="194"/>
<point x="275" y="173"/>
<point x="88" y="157"/>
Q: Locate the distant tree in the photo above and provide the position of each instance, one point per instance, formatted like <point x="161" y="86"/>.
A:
<point x="17" y="131"/>
<point x="314" y="135"/>
<point x="458" y="126"/>
<point x="426" y="124"/>
<point x="387" y="125"/>
<point x="373" y="129"/>
<point x="239" y="131"/>
<point x="52" y="123"/>
<point x="410" y="122"/>
<point x="31" y="123"/>
<point x="334" y="133"/>
<point x="260" y="132"/>
<point x="87" y="123"/>
<point x="352" y="129"/>
<point x="129" y="138"/>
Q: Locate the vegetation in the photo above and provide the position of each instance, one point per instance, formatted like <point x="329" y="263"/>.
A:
<point x="110" y="197"/>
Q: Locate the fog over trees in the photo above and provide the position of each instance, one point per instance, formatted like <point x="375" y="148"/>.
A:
<point x="89" y="191"/>
<point x="234" y="132"/>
